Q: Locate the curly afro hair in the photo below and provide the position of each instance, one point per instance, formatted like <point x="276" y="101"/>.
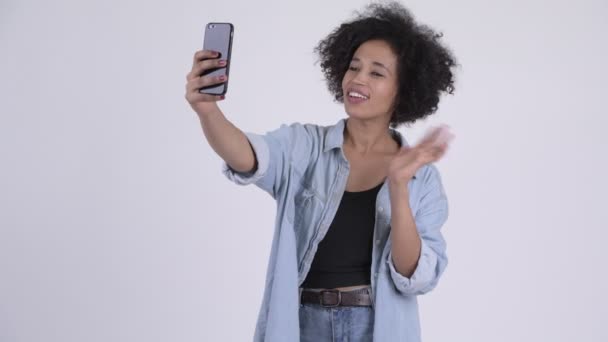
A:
<point x="424" y="65"/>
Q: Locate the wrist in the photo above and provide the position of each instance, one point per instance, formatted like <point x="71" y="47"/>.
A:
<point x="208" y="114"/>
<point x="400" y="182"/>
<point x="205" y="109"/>
<point x="397" y="187"/>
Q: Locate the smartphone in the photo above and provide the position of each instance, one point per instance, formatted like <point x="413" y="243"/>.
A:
<point x="218" y="37"/>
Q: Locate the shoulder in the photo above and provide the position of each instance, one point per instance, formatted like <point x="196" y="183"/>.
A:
<point x="298" y="133"/>
<point x="428" y="173"/>
<point x="428" y="178"/>
<point x="297" y="129"/>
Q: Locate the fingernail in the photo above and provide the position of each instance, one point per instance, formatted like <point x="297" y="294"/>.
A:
<point x="222" y="62"/>
<point x="222" y="97"/>
<point x="222" y="78"/>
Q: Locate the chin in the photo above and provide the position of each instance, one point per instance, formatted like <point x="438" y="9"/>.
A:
<point x="358" y="114"/>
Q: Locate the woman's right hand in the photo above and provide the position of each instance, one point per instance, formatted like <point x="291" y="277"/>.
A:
<point x="203" y="61"/>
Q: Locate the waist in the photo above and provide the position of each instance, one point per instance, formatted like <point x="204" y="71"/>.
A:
<point x="337" y="279"/>
<point x="336" y="297"/>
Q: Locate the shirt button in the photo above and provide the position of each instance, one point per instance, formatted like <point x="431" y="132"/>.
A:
<point x="377" y="242"/>
<point x="380" y="209"/>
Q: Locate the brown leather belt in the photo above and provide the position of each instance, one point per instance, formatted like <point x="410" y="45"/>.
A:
<point x="332" y="298"/>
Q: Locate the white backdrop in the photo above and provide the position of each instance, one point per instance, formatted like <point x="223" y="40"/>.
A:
<point x="116" y="223"/>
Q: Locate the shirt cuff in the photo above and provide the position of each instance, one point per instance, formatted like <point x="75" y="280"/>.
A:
<point x="423" y="275"/>
<point x="262" y="155"/>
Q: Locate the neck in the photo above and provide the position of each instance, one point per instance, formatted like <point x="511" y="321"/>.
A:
<point x="368" y="136"/>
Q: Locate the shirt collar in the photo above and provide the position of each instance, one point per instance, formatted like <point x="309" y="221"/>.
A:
<point x="335" y="136"/>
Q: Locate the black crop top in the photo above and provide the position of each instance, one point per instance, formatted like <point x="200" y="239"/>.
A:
<point x="344" y="256"/>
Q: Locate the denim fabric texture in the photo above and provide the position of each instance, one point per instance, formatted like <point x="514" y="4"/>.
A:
<point x="337" y="324"/>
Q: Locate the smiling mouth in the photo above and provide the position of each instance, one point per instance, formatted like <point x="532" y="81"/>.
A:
<point x="357" y="95"/>
<point x="355" y="98"/>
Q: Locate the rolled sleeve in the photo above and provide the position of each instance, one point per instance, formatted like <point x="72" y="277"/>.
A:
<point x="431" y="215"/>
<point x="274" y="152"/>
<point x="262" y="155"/>
<point x="423" y="275"/>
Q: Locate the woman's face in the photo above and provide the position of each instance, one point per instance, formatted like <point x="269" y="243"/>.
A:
<point x="370" y="83"/>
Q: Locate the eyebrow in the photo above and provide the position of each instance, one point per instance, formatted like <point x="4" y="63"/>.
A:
<point x="355" y="59"/>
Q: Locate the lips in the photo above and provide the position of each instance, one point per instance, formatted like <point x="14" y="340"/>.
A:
<point x="355" y="95"/>
<point x="357" y="91"/>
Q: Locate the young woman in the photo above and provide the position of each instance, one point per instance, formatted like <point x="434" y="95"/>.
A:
<point x="359" y="211"/>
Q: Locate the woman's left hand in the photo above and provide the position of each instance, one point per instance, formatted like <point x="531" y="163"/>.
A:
<point x="409" y="159"/>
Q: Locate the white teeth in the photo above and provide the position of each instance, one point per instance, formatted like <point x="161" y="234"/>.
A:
<point x="355" y="94"/>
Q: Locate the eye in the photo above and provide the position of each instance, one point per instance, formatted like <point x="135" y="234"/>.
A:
<point x="352" y="68"/>
<point x="376" y="74"/>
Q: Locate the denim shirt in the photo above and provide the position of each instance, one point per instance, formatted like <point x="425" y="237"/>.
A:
<point x="304" y="169"/>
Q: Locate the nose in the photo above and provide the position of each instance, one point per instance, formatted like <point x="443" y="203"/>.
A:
<point x="359" y="77"/>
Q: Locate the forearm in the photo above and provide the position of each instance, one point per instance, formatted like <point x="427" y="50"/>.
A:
<point x="229" y="142"/>
<point x="405" y="240"/>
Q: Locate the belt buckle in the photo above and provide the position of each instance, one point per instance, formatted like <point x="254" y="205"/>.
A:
<point x="322" y="302"/>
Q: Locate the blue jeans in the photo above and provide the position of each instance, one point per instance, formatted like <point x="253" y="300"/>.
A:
<point x="336" y="324"/>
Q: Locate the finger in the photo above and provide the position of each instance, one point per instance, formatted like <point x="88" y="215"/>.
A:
<point x="206" y="81"/>
<point x="204" y="54"/>
<point x="441" y="154"/>
<point x="430" y="136"/>
<point x="205" y="65"/>
<point x="444" y="136"/>
<point x="441" y="150"/>
<point x="438" y="136"/>
<point x="441" y="144"/>
<point x="194" y="97"/>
